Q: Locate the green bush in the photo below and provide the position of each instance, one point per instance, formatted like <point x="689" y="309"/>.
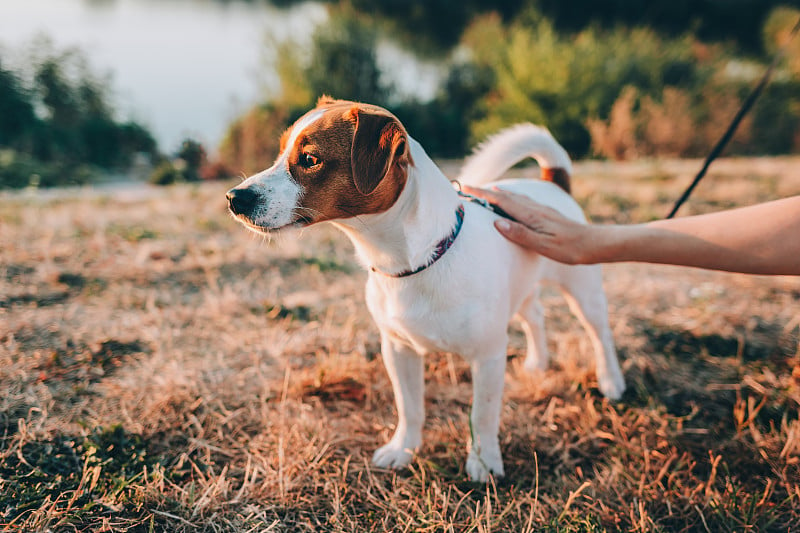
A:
<point x="166" y="173"/>
<point x="776" y="119"/>
<point x="17" y="117"/>
<point x="619" y="92"/>
<point x="190" y="163"/>
<point x="57" y="115"/>
<point x="343" y="61"/>
<point x="443" y="124"/>
<point x="559" y="81"/>
<point x="18" y="170"/>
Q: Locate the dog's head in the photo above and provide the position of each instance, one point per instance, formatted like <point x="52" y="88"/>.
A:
<point x="339" y="160"/>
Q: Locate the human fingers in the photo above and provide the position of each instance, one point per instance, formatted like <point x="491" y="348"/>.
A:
<point x="546" y="239"/>
<point x="493" y="194"/>
<point x="520" y="207"/>
<point x="528" y="212"/>
<point x="520" y="234"/>
<point x="537" y="226"/>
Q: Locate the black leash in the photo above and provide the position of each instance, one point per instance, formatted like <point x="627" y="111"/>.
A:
<point x="494" y="208"/>
<point x="748" y="103"/>
<point x="486" y="204"/>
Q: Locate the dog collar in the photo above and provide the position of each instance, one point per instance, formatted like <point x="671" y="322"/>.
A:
<point x="438" y="252"/>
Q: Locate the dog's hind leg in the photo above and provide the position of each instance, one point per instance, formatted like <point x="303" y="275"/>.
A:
<point x="583" y="290"/>
<point x="406" y="372"/>
<point x="531" y="315"/>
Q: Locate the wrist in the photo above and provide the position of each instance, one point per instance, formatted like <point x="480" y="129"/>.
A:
<point x="601" y="244"/>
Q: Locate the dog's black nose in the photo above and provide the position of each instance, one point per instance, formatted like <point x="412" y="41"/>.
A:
<point x="242" y="201"/>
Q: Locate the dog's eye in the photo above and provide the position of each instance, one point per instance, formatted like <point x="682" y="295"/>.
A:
<point x="308" y="160"/>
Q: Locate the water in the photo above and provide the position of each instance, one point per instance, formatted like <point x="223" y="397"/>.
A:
<point x="180" y="67"/>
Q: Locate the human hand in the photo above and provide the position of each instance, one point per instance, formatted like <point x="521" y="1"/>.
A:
<point x="757" y="239"/>
<point x="539" y="228"/>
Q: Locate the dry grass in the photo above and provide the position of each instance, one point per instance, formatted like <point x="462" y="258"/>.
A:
<point x="163" y="369"/>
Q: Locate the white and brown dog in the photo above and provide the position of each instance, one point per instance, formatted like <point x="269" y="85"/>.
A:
<point x="441" y="278"/>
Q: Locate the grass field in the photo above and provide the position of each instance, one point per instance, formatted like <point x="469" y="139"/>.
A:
<point x="162" y="369"/>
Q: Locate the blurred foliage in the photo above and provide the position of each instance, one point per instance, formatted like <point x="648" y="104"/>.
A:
<point x="627" y="93"/>
<point x="251" y="142"/>
<point x="777" y="32"/>
<point x="57" y="123"/>
<point x="442" y="124"/>
<point x="737" y="22"/>
<point x="560" y="81"/>
<point x="617" y="92"/>
<point x="431" y="25"/>
<point x="20" y="169"/>
<point x="343" y="61"/>
<point x="615" y="78"/>
<point x="190" y="163"/>
<point x="166" y="173"/>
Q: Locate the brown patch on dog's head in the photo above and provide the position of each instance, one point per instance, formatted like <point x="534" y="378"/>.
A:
<point x="351" y="161"/>
<point x="326" y="100"/>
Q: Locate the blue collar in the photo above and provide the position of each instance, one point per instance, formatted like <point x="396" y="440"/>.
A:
<point x="438" y="252"/>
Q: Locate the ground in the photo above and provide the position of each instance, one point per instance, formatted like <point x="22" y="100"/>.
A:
<point x="161" y="368"/>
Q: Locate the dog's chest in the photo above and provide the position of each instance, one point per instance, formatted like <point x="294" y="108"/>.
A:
<point x="426" y="320"/>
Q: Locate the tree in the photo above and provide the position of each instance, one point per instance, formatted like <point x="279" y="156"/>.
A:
<point x="343" y="60"/>
<point x="57" y="122"/>
<point x="17" y="117"/>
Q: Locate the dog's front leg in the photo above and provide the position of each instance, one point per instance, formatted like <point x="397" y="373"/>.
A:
<point x="484" y="456"/>
<point x="407" y="374"/>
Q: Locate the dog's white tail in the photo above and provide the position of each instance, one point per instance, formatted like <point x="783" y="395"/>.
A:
<point x="492" y="158"/>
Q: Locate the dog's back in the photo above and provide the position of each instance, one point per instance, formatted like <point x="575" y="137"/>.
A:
<point x="499" y="153"/>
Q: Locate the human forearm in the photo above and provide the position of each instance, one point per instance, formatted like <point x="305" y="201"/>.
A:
<point x="760" y="239"/>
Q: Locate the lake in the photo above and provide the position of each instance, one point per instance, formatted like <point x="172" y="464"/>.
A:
<point x="184" y="67"/>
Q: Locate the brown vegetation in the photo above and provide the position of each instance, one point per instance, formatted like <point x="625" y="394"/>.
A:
<point x="163" y="369"/>
<point x="639" y="126"/>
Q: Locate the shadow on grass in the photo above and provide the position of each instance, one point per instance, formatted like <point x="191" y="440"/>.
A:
<point x="81" y="480"/>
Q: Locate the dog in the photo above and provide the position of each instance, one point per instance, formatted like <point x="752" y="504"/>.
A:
<point x="441" y="278"/>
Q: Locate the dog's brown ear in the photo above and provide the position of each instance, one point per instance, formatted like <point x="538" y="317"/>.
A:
<point x="379" y="146"/>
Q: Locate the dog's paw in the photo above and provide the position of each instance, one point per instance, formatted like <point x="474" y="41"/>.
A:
<point x="612" y="385"/>
<point x="392" y="455"/>
<point x="482" y="465"/>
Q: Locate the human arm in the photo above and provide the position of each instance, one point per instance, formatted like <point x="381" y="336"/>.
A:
<point x="759" y="239"/>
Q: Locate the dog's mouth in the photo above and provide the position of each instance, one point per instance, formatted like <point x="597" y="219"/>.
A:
<point x="300" y="221"/>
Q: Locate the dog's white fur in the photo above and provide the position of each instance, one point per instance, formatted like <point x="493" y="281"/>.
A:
<point x="464" y="302"/>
